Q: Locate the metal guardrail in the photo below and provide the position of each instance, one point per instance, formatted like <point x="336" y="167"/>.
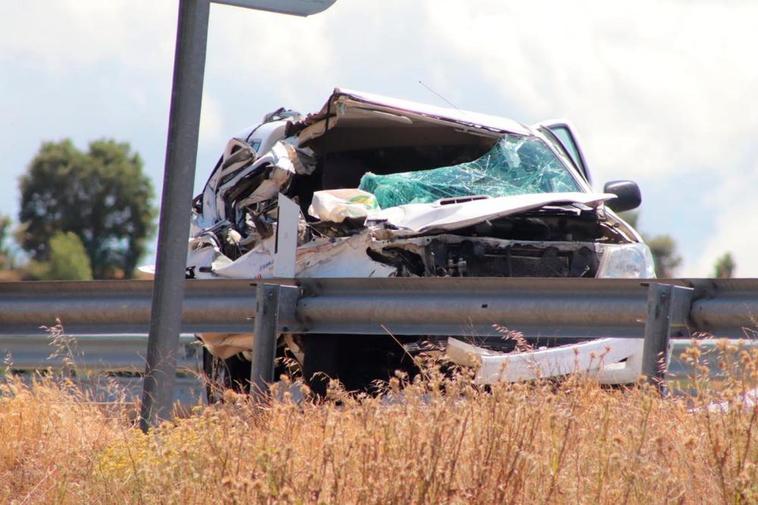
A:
<point x="126" y="353"/>
<point x="558" y="308"/>
<point x="96" y="353"/>
<point x="414" y="306"/>
<point x="112" y="307"/>
<point x="538" y="307"/>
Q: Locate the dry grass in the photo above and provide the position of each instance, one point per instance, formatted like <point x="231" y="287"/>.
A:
<point x="437" y="440"/>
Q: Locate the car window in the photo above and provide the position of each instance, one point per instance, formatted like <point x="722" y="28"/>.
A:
<point x="516" y="165"/>
<point x="561" y="133"/>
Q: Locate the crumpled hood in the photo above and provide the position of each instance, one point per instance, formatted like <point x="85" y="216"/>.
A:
<point x="440" y="216"/>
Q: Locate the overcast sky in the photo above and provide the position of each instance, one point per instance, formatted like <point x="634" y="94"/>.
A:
<point x="660" y="92"/>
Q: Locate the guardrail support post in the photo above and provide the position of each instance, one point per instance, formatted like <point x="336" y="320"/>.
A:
<point x="668" y="309"/>
<point x="264" y="341"/>
<point x="275" y="307"/>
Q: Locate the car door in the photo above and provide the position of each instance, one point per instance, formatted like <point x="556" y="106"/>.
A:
<point x="564" y="135"/>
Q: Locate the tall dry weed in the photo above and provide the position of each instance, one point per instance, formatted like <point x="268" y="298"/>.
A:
<point x="434" y="439"/>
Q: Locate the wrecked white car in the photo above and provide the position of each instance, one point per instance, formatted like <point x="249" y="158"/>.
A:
<point x="371" y="186"/>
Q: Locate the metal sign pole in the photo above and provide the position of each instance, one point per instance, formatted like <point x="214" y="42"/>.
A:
<point x="173" y="228"/>
<point x="178" y="181"/>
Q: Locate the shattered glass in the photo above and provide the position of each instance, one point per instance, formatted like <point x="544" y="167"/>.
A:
<point x="516" y="165"/>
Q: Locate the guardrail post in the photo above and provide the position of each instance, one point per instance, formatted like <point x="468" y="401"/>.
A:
<point x="275" y="307"/>
<point x="264" y="341"/>
<point x="668" y="308"/>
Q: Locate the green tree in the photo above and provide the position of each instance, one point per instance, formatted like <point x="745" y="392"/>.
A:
<point x="6" y="255"/>
<point x="102" y="196"/>
<point x="664" y="253"/>
<point x="662" y="247"/>
<point x="724" y="267"/>
<point x="68" y="259"/>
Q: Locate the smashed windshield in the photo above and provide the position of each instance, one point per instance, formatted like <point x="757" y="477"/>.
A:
<point x="516" y="165"/>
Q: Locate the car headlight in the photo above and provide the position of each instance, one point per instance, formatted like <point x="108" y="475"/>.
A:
<point x="626" y="261"/>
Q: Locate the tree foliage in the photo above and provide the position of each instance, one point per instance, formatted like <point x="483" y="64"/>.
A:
<point x="6" y="255"/>
<point x="724" y="267"/>
<point x="101" y="196"/>
<point x="68" y="259"/>
<point x="665" y="255"/>
<point x="662" y="247"/>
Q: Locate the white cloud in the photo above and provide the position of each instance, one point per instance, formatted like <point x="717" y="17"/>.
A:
<point x="78" y="33"/>
<point x="657" y="89"/>
<point x="735" y="227"/>
<point x="660" y="91"/>
<point x="254" y="57"/>
<point x="211" y="121"/>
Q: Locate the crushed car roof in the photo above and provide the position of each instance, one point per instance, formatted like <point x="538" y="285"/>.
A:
<point x="378" y="102"/>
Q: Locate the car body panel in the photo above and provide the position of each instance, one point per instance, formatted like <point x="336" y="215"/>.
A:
<point x="441" y="216"/>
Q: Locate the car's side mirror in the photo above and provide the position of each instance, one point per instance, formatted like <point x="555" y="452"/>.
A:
<point x="627" y="193"/>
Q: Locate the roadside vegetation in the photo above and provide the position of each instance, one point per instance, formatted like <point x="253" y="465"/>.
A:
<point x="434" y="440"/>
<point x="93" y="209"/>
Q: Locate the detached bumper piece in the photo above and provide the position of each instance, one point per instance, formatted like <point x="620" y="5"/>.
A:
<point x="611" y="360"/>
